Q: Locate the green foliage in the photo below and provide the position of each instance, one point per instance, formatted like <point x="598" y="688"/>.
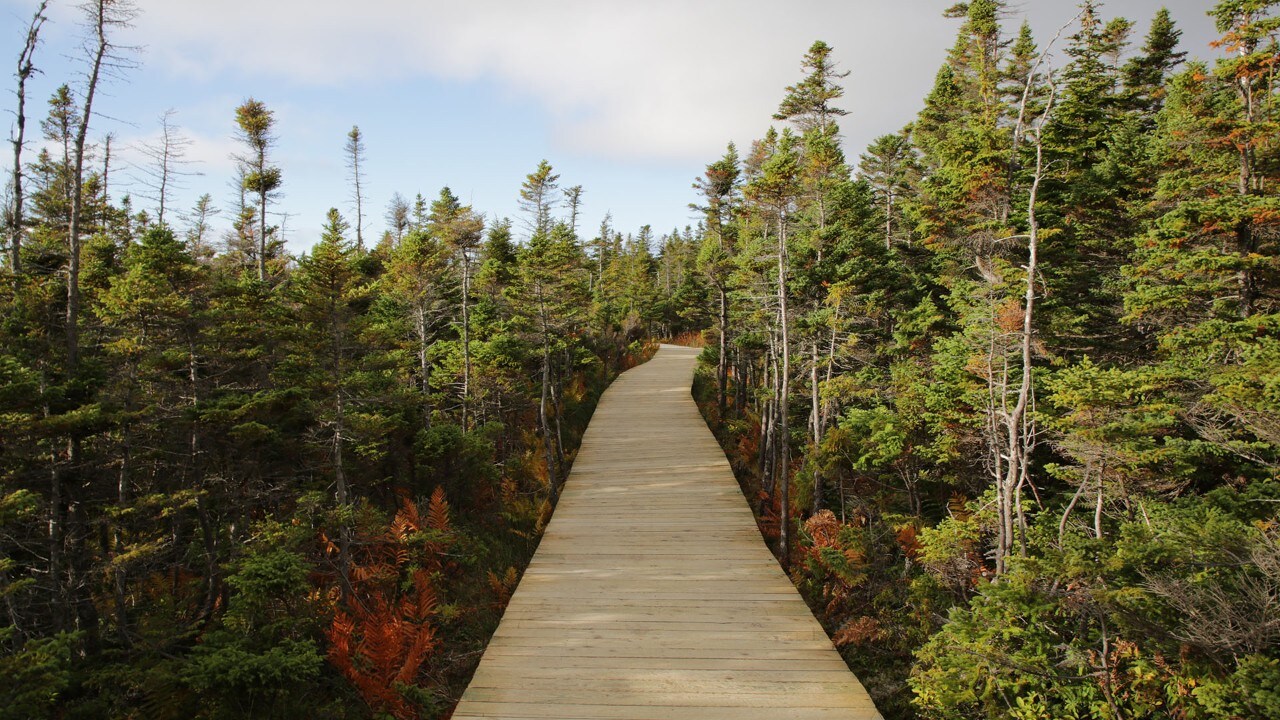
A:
<point x="1069" y="494"/>
<point x="1157" y="619"/>
<point x="36" y="674"/>
<point x="265" y="657"/>
<point x="185" y="499"/>
<point x="177" y="506"/>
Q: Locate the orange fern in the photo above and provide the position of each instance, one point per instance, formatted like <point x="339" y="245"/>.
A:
<point x="438" y="511"/>
<point x="385" y="634"/>
<point x="503" y="586"/>
<point x="383" y="644"/>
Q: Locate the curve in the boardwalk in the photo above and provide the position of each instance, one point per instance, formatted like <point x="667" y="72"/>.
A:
<point x="652" y="594"/>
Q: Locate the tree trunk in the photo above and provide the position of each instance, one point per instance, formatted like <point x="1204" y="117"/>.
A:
<point x="208" y="535"/>
<point x="815" y="417"/>
<point x="120" y="580"/>
<point x="1019" y="431"/>
<point x="816" y="503"/>
<point x="1097" y="509"/>
<point x="784" y="382"/>
<point x="831" y="363"/>
<point x="57" y="540"/>
<point x="557" y="411"/>
<point x="344" y="501"/>
<point x="466" y="340"/>
<point x="722" y="367"/>
<point x="106" y="176"/>
<point x="85" y="612"/>
<point x="209" y="542"/>
<point x="424" y="366"/>
<point x="552" y="475"/>
<point x="25" y="69"/>
<point x="767" y="428"/>
<point x="888" y="219"/>
<point x="262" y="224"/>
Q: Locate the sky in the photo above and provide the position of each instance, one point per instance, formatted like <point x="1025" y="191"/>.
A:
<point x="629" y="99"/>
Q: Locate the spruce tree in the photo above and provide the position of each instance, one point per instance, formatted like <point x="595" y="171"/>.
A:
<point x="256" y="126"/>
<point x="325" y="290"/>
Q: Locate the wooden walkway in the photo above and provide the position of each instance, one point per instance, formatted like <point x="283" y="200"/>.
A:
<point x="652" y="594"/>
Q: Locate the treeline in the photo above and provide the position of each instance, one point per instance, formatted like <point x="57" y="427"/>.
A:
<point x="1005" y="393"/>
<point x="235" y="482"/>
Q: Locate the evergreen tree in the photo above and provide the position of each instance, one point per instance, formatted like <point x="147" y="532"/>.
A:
<point x="887" y="166"/>
<point x="14" y="217"/>
<point x="808" y="102"/>
<point x="1145" y="74"/>
<point x="325" y="290"/>
<point x="538" y="198"/>
<point x="256" y="125"/>
<point x="551" y="286"/>
<point x="719" y="187"/>
<point x="460" y="230"/>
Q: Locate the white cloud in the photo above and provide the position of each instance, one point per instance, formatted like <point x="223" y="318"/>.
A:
<point x="664" y="79"/>
<point x="630" y="94"/>
<point x="655" y="80"/>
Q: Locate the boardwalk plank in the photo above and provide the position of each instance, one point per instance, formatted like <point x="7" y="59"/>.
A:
<point x="652" y="595"/>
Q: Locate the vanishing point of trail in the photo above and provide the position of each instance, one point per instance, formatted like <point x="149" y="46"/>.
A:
<point x="652" y="594"/>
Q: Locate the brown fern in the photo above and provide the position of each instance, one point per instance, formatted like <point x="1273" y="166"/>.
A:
<point x="503" y="586"/>
<point x="438" y="511"/>
<point x="385" y="634"/>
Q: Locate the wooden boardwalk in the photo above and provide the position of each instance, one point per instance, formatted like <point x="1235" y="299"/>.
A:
<point x="652" y="594"/>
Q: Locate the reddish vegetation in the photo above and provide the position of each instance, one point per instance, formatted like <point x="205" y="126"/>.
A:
<point x="380" y="640"/>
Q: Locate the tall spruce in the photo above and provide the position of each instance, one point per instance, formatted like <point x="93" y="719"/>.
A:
<point x="256" y="126"/>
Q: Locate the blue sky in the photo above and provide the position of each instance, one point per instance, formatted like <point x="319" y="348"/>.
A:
<point x="628" y="99"/>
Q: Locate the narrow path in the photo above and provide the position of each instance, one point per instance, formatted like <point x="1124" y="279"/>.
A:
<point x="652" y="594"/>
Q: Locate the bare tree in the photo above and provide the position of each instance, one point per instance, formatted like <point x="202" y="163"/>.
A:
<point x="25" y="69"/>
<point x="1011" y="428"/>
<point x="573" y="196"/>
<point x="108" y="141"/>
<point x="165" y="163"/>
<point x="198" y="228"/>
<point x="1235" y="611"/>
<point x="397" y="217"/>
<point x="102" y="17"/>
<point x="355" y="161"/>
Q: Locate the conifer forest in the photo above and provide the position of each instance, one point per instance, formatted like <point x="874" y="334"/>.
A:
<point x="1001" y="388"/>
